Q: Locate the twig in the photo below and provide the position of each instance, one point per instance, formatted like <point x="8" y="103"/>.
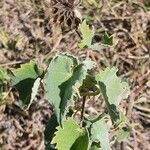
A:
<point x="18" y="110"/>
<point x="11" y="63"/>
<point x="57" y="43"/>
<point x="142" y="108"/>
<point x="90" y="53"/>
<point x="82" y="111"/>
<point x="55" y="46"/>
<point x="78" y="33"/>
<point x="138" y="58"/>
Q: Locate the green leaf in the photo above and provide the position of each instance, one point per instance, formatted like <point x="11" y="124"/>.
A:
<point x="62" y="82"/>
<point x="3" y="78"/>
<point x="87" y="18"/>
<point x="89" y="64"/>
<point x="113" y="90"/>
<point x="123" y="134"/>
<point x="107" y="40"/>
<point x="87" y="34"/>
<point x="70" y="89"/>
<point x="147" y="6"/>
<point x="122" y="121"/>
<point x="59" y="71"/>
<point x="34" y="90"/>
<point x="122" y="128"/>
<point x="26" y="71"/>
<point x="50" y="129"/>
<point x="23" y="80"/>
<point x="99" y="133"/>
<point x="82" y="142"/>
<point x="69" y="134"/>
<point x="89" y="87"/>
<point x="92" y="2"/>
<point x="95" y="146"/>
<point x="3" y="75"/>
<point x="4" y="38"/>
<point x="116" y="90"/>
<point x="148" y="83"/>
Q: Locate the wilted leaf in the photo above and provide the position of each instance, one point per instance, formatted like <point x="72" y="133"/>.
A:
<point x="69" y="134"/>
<point x="70" y="89"/>
<point x="87" y="34"/>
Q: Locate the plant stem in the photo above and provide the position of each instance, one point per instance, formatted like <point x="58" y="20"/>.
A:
<point x="78" y="33"/>
<point x="82" y="111"/>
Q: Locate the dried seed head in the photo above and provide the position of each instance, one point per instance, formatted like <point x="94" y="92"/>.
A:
<point x="65" y="12"/>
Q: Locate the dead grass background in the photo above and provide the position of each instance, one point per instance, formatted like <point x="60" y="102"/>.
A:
<point x="28" y="33"/>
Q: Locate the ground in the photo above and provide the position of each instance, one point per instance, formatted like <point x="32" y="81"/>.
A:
<point x="28" y="31"/>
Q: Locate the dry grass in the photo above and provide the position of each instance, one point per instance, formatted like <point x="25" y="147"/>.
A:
<point x="27" y="32"/>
